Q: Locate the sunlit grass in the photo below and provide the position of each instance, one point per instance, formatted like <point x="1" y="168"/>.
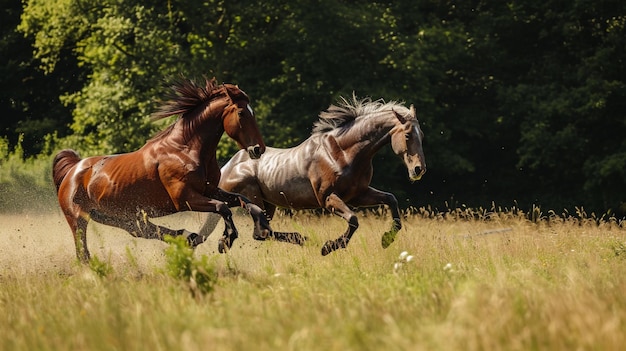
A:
<point x="476" y="280"/>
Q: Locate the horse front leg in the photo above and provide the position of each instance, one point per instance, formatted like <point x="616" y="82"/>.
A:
<point x="221" y="208"/>
<point x="146" y="229"/>
<point x="230" y="232"/>
<point x="338" y="207"/>
<point x="209" y="202"/>
<point x="373" y="197"/>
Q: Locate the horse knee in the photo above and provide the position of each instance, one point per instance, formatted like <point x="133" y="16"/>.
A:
<point x="223" y="210"/>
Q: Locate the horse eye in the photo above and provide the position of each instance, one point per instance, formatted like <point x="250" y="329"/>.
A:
<point x="407" y="136"/>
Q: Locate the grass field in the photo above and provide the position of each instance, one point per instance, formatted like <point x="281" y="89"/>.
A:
<point x="476" y="281"/>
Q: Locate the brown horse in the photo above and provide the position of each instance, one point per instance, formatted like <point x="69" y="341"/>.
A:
<point x="333" y="168"/>
<point x="175" y="171"/>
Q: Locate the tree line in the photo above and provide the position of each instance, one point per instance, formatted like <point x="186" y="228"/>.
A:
<point x="523" y="102"/>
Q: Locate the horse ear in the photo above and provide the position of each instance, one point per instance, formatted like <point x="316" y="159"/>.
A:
<point x="399" y="117"/>
<point x="412" y="110"/>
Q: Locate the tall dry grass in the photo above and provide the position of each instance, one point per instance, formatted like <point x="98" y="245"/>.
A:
<point x="477" y="280"/>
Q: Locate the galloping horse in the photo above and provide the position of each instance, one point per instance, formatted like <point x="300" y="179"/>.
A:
<point x="177" y="170"/>
<point x="333" y="168"/>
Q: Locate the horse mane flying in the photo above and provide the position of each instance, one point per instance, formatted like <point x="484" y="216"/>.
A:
<point x="339" y="116"/>
<point x="186" y="96"/>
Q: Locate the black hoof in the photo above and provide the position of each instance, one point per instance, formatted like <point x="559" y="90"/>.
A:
<point x="194" y="240"/>
<point x="292" y="238"/>
<point x="226" y="242"/>
<point x="299" y="239"/>
<point x="222" y="247"/>
<point x="388" y="238"/>
<point x="329" y="247"/>
<point x="332" y="245"/>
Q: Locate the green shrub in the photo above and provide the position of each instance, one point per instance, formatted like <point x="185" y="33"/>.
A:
<point x="198" y="274"/>
<point x="101" y="268"/>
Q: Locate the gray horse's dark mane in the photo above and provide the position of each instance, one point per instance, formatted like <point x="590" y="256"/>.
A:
<point x="346" y="111"/>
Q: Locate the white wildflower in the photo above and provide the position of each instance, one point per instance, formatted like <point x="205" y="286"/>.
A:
<point x="402" y="259"/>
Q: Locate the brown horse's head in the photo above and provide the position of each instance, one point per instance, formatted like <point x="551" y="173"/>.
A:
<point x="406" y="141"/>
<point x="240" y="124"/>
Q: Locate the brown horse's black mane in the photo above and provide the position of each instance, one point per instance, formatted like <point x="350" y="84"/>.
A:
<point x="339" y="116"/>
<point x="184" y="98"/>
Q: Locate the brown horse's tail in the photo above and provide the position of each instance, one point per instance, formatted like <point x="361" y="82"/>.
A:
<point x="62" y="163"/>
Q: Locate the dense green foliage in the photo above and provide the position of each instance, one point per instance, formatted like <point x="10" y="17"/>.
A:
<point x="521" y="101"/>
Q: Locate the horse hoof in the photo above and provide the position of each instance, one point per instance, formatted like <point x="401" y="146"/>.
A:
<point x="329" y="247"/>
<point x="301" y="239"/>
<point x="295" y="238"/>
<point x="262" y="235"/>
<point x="194" y="240"/>
<point x="388" y="238"/>
<point x="221" y="247"/>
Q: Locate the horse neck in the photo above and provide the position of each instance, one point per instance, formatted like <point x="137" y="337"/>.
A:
<point x="203" y="132"/>
<point x="211" y="127"/>
<point x="369" y="134"/>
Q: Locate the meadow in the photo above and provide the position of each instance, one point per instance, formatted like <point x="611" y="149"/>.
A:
<point x="468" y="280"/>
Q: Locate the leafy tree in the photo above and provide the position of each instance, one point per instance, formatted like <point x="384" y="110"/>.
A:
<point x="121" y="49"/>
<point x="569" y="96"/>
<point x="29" y="100"/>
<point x="520" y="100"/>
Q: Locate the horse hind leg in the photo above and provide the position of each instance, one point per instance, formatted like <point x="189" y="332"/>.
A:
<point x="230" y="234"/>
<point x="290" y="237"/>
<point x="262" y="229"/>
<point x="146" y="229"/>
<point x="78" y="225"/>
<point x="338" y="207"/>
<point x="79" y="231"/>
<point x="141" y="227"/>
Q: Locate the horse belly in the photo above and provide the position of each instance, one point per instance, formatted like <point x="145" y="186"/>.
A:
<point x="284" y="187"/>
<point x="296" y="194"/>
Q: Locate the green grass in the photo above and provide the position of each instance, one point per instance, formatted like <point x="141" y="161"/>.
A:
<point x="25" y="183"/>
<point x="477" y="281"/>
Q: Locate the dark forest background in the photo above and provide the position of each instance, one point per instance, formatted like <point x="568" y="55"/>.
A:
<point x="522" y="102"/>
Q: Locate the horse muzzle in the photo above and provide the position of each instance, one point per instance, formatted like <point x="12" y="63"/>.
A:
<point x="416" y="173"/>
<point x="255" y="151"/>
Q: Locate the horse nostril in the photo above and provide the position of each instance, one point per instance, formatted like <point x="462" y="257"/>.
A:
<point x="419" y="170"/>
<point x="254" y="151"/>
